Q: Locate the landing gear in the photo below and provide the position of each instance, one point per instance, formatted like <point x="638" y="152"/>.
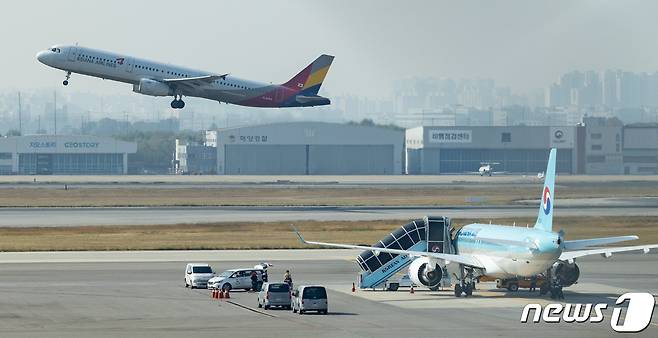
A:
<point x="66" y="81"/>
<point x="465" y="282"/>
<point x="178" y="103"/>
<point x="552" y="285"/>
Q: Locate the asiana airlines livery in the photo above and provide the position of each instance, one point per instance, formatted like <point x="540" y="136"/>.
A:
<point x="508" y="252"/>
<point x="161" y="79"/>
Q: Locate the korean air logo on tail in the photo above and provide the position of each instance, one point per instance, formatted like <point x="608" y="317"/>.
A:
<point x="546" y="201"/>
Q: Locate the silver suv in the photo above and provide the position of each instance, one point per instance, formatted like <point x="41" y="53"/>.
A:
<point x="310" y="298"/>
<point x="274" y="294"/>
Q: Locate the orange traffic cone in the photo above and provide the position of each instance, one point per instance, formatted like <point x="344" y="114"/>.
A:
<point x="412" y="289"/>
<point x="227" y="295"/>
<point x="353" y="287"/>
<point x="220" y="294"/>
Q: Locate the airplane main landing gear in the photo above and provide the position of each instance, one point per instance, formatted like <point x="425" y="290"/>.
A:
<point x="66" y="81"/>
<point x="552" y="285"/>
<point x="178" y="103"/>
<point x="465" y="282"/>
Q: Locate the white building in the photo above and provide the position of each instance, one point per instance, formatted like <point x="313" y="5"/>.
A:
<point x="309" y="148"/>
<point x="64" y="155"/>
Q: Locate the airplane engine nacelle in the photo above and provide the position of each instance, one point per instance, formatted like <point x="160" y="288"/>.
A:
<point x="421" y="275"/>
<point x="567" y="273"/>
<point x="153" y="88"/>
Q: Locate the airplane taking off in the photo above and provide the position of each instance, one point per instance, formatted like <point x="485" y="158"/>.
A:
<point x="161" y="79"/>
<point x="506" y="252"/>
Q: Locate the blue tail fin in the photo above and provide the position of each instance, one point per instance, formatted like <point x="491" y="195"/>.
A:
<point x="547" y="202"/>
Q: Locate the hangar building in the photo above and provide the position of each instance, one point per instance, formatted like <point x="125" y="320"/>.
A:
<point x="308" y="148"/>
<point x="64" y="155"/>
<point x="517" y="149"/>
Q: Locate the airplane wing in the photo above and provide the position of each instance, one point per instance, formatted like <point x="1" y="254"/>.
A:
<point x="462" y="259"/>
<point x="583" y="243"/>
<point x="605" y="252"/>
<point x="195" y="81"/>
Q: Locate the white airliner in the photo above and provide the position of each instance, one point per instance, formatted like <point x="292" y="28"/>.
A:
<point x="507" y="252"/>
<point x="160" y="79"/>
<point x="486" y="168"/>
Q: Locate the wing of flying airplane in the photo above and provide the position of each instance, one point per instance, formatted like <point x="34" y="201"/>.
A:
<point x="196" y="81"/>
<point x="461" y="259"/>
<point x="605" y="252"/>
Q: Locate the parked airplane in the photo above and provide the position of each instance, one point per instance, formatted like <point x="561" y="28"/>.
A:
<point x="507" y="252"/>
<point x="161" y="79"/>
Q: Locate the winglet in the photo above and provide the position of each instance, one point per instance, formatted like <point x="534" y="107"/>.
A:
<point x="299" y="235"/>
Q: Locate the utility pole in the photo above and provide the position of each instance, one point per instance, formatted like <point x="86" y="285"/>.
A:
<point x="55" y="109"/>
<point x="20" y="118"/>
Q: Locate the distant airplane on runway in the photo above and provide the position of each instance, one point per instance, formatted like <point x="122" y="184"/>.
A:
<point x="486" y="168"/>
<point x="506" y="252"/>
<point x="161" y="79"/>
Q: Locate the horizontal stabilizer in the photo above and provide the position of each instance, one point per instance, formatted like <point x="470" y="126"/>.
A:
<point x="584" y="243"/>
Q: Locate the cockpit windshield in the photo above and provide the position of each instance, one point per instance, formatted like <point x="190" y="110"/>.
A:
<point x="55" y="50"/>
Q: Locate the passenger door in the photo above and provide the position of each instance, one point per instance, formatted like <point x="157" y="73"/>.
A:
<point x="73" y="53"/>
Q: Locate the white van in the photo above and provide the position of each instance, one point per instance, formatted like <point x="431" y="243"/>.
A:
<point x="197" y="275"/>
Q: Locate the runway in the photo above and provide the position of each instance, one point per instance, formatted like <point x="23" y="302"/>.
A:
<point x="147" y="299"/>
<point x="31" y="217"/>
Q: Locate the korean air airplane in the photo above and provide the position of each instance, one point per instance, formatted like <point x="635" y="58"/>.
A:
<point x="508" y="252"/>
<point x="161" y="79"/>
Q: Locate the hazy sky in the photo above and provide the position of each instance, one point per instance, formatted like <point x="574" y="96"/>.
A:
<point x="524" y="44"/>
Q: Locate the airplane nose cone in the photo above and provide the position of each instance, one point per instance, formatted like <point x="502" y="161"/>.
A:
<point x="41" y="56"/>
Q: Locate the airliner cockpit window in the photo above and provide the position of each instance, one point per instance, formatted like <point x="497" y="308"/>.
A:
<point x="55" y="50"/>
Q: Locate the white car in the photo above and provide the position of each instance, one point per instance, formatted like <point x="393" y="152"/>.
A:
<point x="236" y="279"/>
<point x="197" y="275"/>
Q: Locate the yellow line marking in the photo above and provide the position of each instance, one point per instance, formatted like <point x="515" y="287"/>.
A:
<point x="654" y="324"/>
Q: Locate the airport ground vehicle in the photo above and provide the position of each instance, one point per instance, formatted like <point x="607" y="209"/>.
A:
<point x="274" y="294"/>
<point x="310" y="298"/>
<point x="514" y="284"/>
<point x="197" y="275"/>
<point x="236" y="279"/>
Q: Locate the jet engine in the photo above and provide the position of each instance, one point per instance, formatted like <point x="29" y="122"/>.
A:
<point x="421" y="275"/>
<point x="567" y="273"/>
<point x="153" y="88"/>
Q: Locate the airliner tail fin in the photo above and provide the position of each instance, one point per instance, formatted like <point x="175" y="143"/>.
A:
<point x="309" y="80"/>
<point x="547" y="202"/>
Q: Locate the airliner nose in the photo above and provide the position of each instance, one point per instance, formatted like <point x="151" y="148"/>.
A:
<point x="41" y="56"/>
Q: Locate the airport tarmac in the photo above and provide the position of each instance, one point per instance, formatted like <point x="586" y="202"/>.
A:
<point x="129" y="298"/>
<point x="31" y="217"/>
<point x="306" y="180"/>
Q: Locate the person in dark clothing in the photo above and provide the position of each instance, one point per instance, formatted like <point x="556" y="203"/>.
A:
<point x="254" y="281"/>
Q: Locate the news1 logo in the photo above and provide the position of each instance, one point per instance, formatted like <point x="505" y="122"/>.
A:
<point x="638" y="313"/>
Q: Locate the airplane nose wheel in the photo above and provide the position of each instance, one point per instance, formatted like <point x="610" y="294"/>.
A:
<point x="177" y="103"/>
<point x="66" y="81"/>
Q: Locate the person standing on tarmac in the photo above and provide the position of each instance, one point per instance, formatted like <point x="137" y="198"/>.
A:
<point x="254" y="281"/>
<point x="287" y="278"/>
